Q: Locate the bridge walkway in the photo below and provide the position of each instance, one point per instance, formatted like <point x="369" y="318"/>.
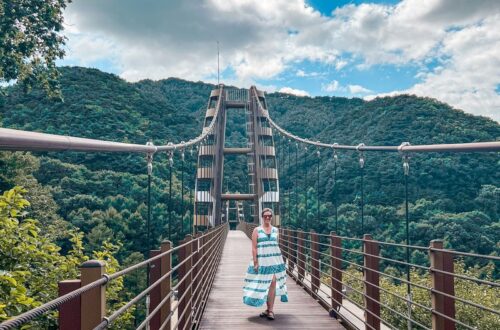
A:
<point x="225" y="308"/>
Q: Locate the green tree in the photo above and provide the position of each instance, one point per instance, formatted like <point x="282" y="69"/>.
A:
<point x="31" y="265"/>
<point x="31" y="42"/>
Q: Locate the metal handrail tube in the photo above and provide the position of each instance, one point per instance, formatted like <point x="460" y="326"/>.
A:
<point x="212" y="274"/>
<point x="378" y="272"/>
<point x="121" y="310"/>
<point x="216" y="256"/>
<point x="12" y="139"/>
<point x="160" y="305"/>
<point x="38" y="311"/>
<point x="455" y="147"/>
<point x="147" y="261"/>
<point x="467" y="254"/>
<point x="179" y="317"/>
<point x="19" y="320"/>
<point x="419" y="266"/>
<point x="379" y="287"/>
<point x="328" y="295"/>
<point x="464" y="301"/>
<point x="177" y="306"/>
<point x="381" y="258"/>
<point x="416" y="247"/>
<point x="463" y="277"/>
<point x="205" y="293"/>
<point x="363" y="294"/>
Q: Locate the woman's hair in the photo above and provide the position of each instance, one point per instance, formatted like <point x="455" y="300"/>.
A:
<point x="266" y="210"/>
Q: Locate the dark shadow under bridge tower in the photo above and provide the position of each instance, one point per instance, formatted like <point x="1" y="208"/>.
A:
<point x="263" y="190"/>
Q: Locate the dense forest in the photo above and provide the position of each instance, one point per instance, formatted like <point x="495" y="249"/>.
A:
<point x="88" y="203"/>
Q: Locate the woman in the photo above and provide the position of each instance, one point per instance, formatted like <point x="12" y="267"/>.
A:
<point x="266" y="276"/>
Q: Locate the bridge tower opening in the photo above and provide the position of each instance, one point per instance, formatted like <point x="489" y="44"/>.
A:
<point x="212" y="206"/>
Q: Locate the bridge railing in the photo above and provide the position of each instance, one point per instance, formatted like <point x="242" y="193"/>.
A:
<point x="359" y="293"/>
<point x="82" y="303"/>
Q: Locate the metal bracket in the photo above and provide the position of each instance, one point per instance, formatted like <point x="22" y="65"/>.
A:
<point x="149" y="158"/>
<point x="171" y="155"/>
<point x="406" y="157"/>
<point x="182" y="152"/>
<point x="361" y="155"/>
<point x="335" y="155"/>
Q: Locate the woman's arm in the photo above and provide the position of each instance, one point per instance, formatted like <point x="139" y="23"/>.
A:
<point x="254" y="249"/>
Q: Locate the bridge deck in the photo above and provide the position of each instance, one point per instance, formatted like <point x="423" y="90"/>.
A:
<point x="225" y="309"/>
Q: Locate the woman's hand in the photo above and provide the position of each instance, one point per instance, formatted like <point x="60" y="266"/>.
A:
<point x="256" y="266"/>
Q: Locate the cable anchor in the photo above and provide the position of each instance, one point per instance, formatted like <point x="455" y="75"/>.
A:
<point x="335" y="155"/>
<point x="149" y="158"/>
<point x="361" y="155"/>
<point x="171" y="154"/>
<point x="183" y="150"/>
<point x="406" y="157"/>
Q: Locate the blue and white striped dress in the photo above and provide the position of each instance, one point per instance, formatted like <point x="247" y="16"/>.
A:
<point x="271" y="263"/>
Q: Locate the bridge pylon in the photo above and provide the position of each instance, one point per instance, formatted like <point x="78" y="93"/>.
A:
<point x="260" y="152"/>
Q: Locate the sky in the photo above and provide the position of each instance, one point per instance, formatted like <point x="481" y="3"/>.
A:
<point x="444" y="49"/>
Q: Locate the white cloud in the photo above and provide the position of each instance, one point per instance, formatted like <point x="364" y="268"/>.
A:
<point x="357" y="89"/>
<point x="331" y="87"/>
<point x="297" y="92"/>
<point x="178" y="38"/>
<point x="340" y="64"/>
<point x="302" y="73"/>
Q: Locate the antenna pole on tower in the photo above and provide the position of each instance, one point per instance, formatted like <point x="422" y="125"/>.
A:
<point x="218" y="62"/>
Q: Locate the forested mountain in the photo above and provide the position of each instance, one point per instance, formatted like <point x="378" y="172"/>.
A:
<point x="104" y="194"/>
<point x="94" y="204"/>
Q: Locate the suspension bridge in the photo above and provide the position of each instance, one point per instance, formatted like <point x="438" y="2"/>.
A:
<point x="197" y="284"/>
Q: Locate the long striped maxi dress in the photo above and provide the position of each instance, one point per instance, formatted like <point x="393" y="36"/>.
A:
<point x="271" y="263"/>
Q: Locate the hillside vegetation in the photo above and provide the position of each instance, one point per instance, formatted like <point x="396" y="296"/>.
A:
<point x="102" y="195"/>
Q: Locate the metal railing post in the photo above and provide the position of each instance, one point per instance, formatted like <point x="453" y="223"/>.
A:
<point x="371" y="283"/>
<point x="336" y="267"/>
<point x="69" y="312"/>
<point x="93" y="302"/>
<point x="315" y="271"/>
<point x="165" y="285"/>
<point x="444" y="283"/>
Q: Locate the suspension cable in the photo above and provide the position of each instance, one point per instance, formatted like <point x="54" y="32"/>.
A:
<point x="456" y="147"/>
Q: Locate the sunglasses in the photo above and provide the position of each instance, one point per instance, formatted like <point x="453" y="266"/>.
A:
<point x="267" y="216"/>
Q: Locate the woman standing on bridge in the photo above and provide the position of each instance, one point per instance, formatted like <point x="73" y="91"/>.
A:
<point x="266" y="276"/>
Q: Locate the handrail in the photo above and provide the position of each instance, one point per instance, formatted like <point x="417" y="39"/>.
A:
<point x="403" y="148"/>
<point x="304" y="257"/>
<point x="12" y="139"/>
<point x="30" y="315"/>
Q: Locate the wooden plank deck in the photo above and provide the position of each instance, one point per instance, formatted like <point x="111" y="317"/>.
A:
<point x="225" y="308"/>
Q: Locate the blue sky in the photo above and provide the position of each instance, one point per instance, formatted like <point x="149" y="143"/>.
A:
<point x="445" y="49"/>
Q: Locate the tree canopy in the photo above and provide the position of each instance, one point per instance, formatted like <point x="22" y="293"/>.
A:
<point x="31" y="42"/>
